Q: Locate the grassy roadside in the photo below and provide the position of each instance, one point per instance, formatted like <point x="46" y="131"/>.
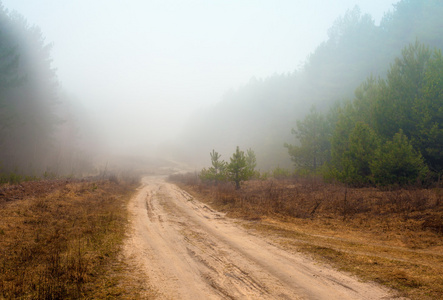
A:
<point x="391" y="237"/>
<point x="62" y="240"/>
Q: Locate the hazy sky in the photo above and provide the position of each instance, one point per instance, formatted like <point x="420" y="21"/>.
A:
<point x="141" y="66"/>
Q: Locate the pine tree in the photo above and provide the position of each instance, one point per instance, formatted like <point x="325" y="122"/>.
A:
<point x="396" y="162"/>
<point x="217" y="172"/>
<point x="237" y="168"/>
<point x="313" y="135"/>
<point x="251" y="163"/>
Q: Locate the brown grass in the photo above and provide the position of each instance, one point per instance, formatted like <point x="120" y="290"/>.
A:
<point x="393" y="237"/>
<point x="62" y="239"/>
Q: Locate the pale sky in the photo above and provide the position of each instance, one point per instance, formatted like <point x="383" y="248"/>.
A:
<point x="141" y="67"/>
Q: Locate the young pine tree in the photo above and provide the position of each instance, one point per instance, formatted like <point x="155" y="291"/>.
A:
<point x="396" y="162"/>
<point x="238" y="168"/>
<point x="217" y="172"/>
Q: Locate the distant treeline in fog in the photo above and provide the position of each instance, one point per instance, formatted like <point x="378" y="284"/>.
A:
<point x="40" y="130"/>
<point x="261" y="114"/>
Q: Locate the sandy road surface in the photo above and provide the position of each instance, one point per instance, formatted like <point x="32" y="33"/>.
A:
<point x="189" y="251"/>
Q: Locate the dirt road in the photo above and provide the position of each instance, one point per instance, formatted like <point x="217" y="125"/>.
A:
<point x="189" y="251"/>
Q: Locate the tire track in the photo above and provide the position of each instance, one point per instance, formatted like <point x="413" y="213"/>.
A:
<point x="190" y="251"/>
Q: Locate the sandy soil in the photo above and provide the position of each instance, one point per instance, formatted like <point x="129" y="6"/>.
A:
<point x="189" y="251"/>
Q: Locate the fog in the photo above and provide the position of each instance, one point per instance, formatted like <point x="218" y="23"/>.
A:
<point x="141" y="67"/>
<point x="139" y="70"/>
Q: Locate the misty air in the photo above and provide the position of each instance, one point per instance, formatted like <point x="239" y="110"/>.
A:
<point x="221" y="149"/>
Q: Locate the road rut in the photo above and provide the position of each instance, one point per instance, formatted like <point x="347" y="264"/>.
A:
<point x="189" y="251"/>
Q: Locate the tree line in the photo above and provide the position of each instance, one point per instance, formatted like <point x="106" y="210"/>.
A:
<point x="263" y="111"/>
<point x="391" y="132"/>
<point x="40" y="130"/>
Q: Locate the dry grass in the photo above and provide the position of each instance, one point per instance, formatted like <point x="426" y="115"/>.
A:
<point x="393" y="237"/>
<point x="62" y="240"/>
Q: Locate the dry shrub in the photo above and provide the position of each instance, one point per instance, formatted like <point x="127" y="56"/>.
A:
<point x="189" y="178"/>
<point x="310" y="198"/>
